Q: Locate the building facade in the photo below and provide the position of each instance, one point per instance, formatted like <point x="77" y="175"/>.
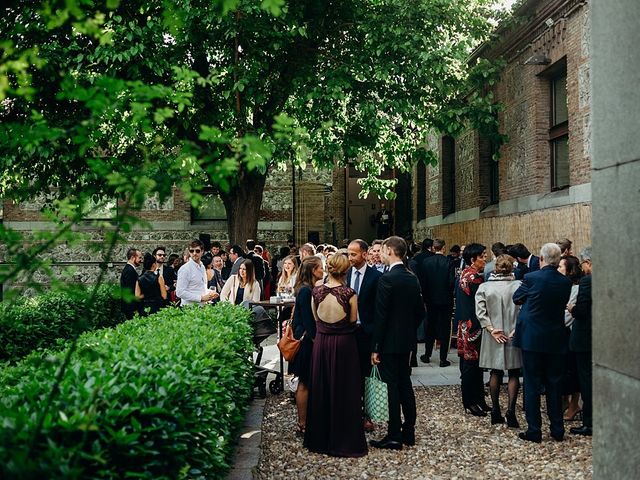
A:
<point x="540" y="188"/>
<point x="319" y="214"/>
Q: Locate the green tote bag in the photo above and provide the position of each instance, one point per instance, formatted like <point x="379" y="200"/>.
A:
<point x="376" y="400"/>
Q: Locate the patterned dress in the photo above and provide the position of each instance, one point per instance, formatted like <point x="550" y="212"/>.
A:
<point x="469" y="330"/>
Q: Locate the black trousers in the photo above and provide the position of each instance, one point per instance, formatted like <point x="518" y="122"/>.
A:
<point x="543" y="370"/>
<point x="363" y="341"/>
<point x="438" y="327"/>
<point x="472" y="384"/>
<point x="395" y="372"/>
<point x="583" y="360"/>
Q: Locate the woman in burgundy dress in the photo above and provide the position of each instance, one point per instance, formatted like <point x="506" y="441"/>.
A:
<point x="334" y="416"/>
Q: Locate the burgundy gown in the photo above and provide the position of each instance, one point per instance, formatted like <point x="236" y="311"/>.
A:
<point x="334" y="416"/>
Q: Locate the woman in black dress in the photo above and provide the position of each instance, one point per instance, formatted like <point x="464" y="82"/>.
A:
<point x="304" y="324"/>
<point x="150" y="287"/>
<point x="334" y="420"/>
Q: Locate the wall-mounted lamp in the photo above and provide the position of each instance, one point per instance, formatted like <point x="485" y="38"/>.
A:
<point x="541" y="59"/>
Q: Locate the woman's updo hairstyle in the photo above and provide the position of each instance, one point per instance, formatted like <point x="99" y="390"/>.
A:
<point x="338" y="264"/>
<point x="504" y="264"/>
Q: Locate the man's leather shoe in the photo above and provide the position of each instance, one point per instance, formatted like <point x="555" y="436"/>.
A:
<point x="529" y="437"/>
<point x="558" y="438"/>
<point x="386" y="443"/>
<point x="583" y="430"/>
<point x="409" y="438"/>
<point x="424" y="358"/>
<point x="445" y="363"/>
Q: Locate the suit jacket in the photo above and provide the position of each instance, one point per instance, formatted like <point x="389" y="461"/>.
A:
<point x="580" y="340"/>
<point x="258" y="265"/>
<point x="128" y="280"/>
<point x="416" y="262"/>
<point x="437" y="279"/>
<point x="540" y="327"/>
<point x="366" y="297"/>
<point x="236" y="266"/>
<point x="522" y="269"/>
<point x="169" y="276"/>
<point x="399" y="309"/>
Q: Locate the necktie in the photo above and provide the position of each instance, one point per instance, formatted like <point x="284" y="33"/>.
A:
<point x="356" y="285"/>
<point x="385" y="269"/>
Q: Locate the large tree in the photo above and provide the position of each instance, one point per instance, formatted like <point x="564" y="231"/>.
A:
<point x="218" y="93"/>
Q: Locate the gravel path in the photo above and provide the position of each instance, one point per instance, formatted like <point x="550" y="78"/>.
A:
<point x="449" y="445"/>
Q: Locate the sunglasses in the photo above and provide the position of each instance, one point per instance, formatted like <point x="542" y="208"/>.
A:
<point x="194" y="250"/>
<point x="161" y="254"/>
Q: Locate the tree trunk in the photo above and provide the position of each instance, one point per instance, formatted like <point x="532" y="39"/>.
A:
<point x="243" y="207"/>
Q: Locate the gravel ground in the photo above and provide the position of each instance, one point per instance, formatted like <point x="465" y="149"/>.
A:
<point x="449" y="445"/>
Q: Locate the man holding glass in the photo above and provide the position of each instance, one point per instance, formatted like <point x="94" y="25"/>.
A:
<point x="191" y="287"/>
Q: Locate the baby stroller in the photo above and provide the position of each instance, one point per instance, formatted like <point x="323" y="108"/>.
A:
<point x="263" y="327"/>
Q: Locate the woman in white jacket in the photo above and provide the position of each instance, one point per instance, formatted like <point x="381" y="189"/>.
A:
<point x="242" y="287"/>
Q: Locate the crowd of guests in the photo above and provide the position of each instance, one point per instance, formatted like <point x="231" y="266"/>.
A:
<point x="360" y="305"/>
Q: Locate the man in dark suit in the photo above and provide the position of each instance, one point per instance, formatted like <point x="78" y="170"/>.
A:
<point x="236" y="255"/>
<point x="437" y="280"/>
<point x="258" y="262"/>
<point x="580" y="343"/>
<point x="128" y="280"/>
<point x="526" y="262"/>
<point x="364" y="280"/>
<point x="542" y="336"/>
<point x="426" y="251"/>
<point x="165" y="271"/>
<point x="384" y="220"/>
<point x="399" y="309"/>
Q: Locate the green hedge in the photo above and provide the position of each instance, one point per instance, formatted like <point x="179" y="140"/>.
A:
<point x="42" y="321"/>
<point x="156" y="397"/>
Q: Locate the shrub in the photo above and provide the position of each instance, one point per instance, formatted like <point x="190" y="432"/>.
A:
<point x="40" y="322"/>
<point x="156" y="397"/>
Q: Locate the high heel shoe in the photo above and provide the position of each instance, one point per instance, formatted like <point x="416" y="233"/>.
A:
<point x="496" y="417"/>
<point x="575" y="417"/>
<point x="512" y="421"/>
<point x="476" y="411"/>
<point x="485" y="407"/>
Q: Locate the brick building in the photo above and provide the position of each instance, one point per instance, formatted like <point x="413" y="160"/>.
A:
<point x="540" y="189"/>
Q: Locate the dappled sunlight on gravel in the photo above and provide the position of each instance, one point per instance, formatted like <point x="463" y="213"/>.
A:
<point x="449" y="444"/>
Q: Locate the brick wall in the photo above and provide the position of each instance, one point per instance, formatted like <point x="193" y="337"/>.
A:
<point x="525" y="164"/>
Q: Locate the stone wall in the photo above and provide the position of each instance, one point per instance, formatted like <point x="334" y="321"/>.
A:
<point x="320" y="198"/>
<point x="616" y="229"/>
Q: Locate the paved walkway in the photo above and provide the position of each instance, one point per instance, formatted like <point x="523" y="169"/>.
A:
<point x="247" y="454"/>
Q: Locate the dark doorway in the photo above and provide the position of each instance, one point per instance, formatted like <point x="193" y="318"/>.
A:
<point x="404" y="206"/>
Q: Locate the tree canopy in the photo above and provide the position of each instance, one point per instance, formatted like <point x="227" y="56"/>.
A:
<point x="200" y="93"/>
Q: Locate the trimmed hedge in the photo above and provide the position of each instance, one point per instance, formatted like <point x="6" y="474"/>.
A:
<point x="156" y="397"/>
<point x="42" y="321"/>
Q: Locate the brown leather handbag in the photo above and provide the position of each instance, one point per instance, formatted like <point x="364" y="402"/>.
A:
<point x="288" y="344"/>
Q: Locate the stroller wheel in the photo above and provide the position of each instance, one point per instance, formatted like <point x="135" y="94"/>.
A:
<point x="275" y="386"/>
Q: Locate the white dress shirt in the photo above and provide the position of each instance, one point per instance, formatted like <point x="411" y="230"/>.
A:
<point x="359" y="278"/>
<point x="192" y="283"/>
